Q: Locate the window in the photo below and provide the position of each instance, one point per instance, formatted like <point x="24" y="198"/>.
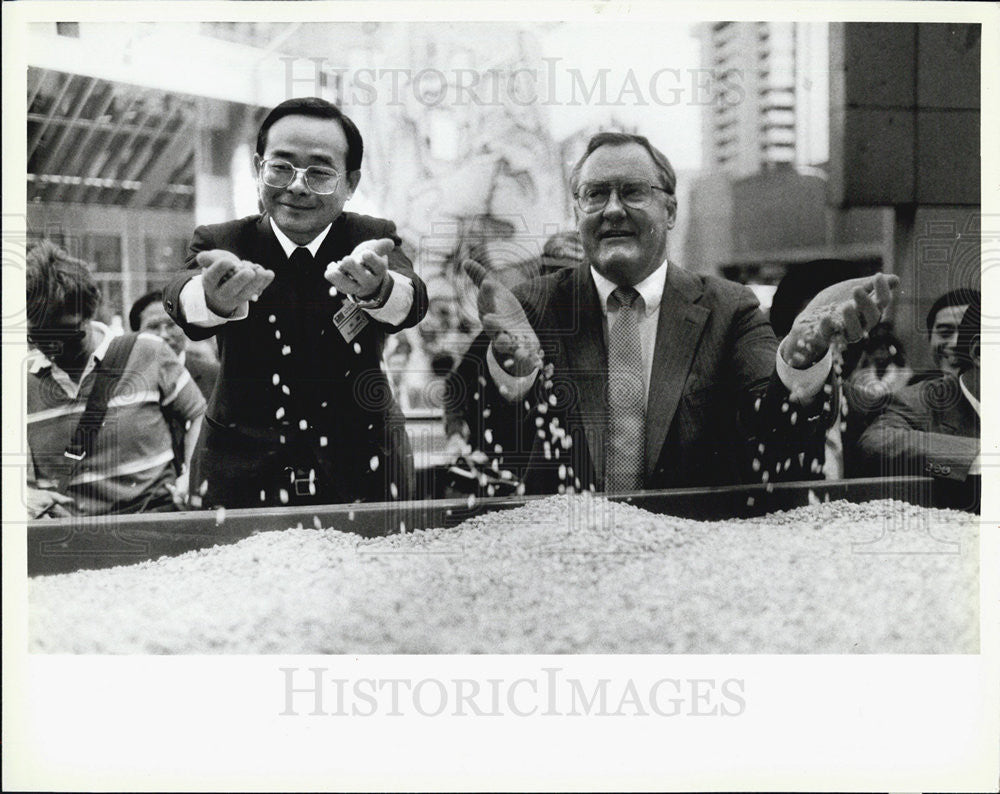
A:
<point x="104" y="252"/>
<point x="164" y="258"/>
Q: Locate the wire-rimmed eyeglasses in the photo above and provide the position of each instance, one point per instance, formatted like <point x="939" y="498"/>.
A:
<point x="594" y="196"/>
<point x="281" y="173"/>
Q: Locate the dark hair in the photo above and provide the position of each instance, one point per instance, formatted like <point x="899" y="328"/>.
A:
<point x="623" y="139"/>
<point x="135" y="313"/>
<point x="320" y="109"/>
<point x="968" y="330"/>
<point x="800" y="284"/>
<point x="957" y="297"/>
<point x="57" y="284"/>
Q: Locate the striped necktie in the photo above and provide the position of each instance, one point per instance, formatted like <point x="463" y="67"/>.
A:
<point x="626" y="397"/>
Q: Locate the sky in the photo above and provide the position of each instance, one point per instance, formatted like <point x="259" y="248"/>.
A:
<point x="651" y="81"/>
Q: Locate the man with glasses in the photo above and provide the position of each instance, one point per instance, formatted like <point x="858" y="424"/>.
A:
<point x="629" y="372"/>
<point x="301" y="298"/>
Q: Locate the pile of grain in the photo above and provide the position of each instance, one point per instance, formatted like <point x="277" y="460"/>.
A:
<point x="566" y="574"/>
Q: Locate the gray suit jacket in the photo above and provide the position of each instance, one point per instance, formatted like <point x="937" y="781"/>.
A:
<point x="928" y="428"/>
<point x="714" y="359"/>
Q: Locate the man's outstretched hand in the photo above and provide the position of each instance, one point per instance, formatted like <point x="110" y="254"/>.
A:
<point x="229" y="281"/>
<point x="849" y="309"/>
<point x="515" y="344"/>
<point x="363" y="272"/>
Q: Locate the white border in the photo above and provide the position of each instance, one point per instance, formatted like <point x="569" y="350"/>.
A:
<point x="872" y="722"/>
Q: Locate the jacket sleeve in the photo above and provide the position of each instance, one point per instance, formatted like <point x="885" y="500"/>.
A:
<point x="400" y="263"/>
<point x="898" y="443"/>
<point x="202" y="241"/>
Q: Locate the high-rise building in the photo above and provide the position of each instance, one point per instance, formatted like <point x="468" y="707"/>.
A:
<point x="769" y="95"/>
<point x="761" y="202"/>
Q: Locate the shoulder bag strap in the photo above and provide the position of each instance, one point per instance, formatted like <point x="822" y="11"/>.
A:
<point x="106" y="374"/>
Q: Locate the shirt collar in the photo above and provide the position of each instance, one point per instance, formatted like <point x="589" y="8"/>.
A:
<point x="72" y="389"/>
<point x="109" y="334"/>
<point x="650" y="288"/>
<point x="39" y="361"/>
<point x="288" y="246"/>
<point x="968" y="396"/>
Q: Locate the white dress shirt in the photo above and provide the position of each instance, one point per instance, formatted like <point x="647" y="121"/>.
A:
<point x="196" y="309"/>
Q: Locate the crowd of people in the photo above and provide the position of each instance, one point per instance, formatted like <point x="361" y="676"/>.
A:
<point x="614" y="371"/>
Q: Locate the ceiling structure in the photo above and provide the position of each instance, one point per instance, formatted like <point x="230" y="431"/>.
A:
<point x="93" y="141"/>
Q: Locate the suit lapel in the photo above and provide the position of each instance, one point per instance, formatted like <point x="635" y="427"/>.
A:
<point x="267" y="244"/>
<point x="679" y="328"/>
<point x="267" y="251"/>
<point x="335" y="245"/>
<point x="586" y="357"/>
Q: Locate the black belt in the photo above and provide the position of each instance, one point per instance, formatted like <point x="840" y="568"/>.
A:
<point x="290" y="439"/>
<point x="273" y="435"/>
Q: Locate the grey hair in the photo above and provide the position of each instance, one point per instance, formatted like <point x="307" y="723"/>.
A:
<point x="669" y="178"/>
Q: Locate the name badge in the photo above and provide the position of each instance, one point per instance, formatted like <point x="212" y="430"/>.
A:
<point x="350" y="320"/>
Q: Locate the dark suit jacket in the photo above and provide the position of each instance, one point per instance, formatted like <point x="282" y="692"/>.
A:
<point x="286" y="367"/>
<point x="928" y="428"/>
<point x="714" y="358"/>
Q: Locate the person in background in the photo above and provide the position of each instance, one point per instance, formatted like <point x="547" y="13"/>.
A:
<point x="148" y="314"/>
<point x="883" y="359"/>
<point x="408" y="371"/>
<point x="562" y="249"/>
<point x="932" y="428"/>
<point x="629" y="372"/>
<point x="881" y="371"/>
<point x="942" y="332"/>
<point x="130" y="466"/>
<point x="301" y="299"/>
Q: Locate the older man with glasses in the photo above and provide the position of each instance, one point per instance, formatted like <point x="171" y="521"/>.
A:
<point x="301" y="299"/>
<point x="629" y="372"/>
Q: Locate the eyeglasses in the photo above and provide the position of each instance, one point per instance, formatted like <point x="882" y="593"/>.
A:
<point x="594" y="196"/>
<point x="281" y="173"/>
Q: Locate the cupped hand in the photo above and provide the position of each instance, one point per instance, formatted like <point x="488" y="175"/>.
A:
<point x="179" y="489"/>
<point x="229" y="281"/>
<point x="847" y="309"/>
<point x="363" y="272"/>
<point x="515" y="343"/>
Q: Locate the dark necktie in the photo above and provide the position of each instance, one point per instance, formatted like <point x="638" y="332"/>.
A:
<point x="626" y="397"/>
<point x="301" y="341"/>
<point x="301" y="258"/>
